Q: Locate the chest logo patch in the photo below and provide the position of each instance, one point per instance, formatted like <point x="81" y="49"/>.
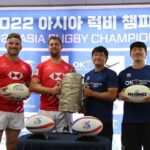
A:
<point x="56" y="76"/>
<point x="15" y="75"/>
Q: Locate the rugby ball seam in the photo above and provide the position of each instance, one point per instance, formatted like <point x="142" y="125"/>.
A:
<point x="42" y="127"/>
<point x="91" y="131"/>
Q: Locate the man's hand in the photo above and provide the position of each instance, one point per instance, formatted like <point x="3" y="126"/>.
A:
<point x="146" y="99"/>
<point x="86" y="90"/>
<point x="122" y="97"/>
<point x="57" y="88"/>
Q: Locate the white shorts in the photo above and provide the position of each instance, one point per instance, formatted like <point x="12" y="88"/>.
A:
<point x="11" y="120"/>
<point x="61" y="119"/>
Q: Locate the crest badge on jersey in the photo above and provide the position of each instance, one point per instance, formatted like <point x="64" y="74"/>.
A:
<point x="36" y="71"/>
<point x="128" y="75"/>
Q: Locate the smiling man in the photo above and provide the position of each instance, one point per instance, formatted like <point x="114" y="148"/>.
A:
<point x="46" y="81"/>
<point x="101" y="91"/>
<point x="12" y="70"/>
<point x="136" y="117"/>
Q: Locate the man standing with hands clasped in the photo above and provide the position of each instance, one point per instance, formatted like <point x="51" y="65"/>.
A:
<point x="101" y="91"/>
<point x="136" y="118"/>
<point x="46" y="80"/>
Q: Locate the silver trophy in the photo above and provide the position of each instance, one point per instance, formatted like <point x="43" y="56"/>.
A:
<point x="71" y="93"/>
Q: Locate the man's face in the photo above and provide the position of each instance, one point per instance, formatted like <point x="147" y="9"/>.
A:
<point x="138" y="54"/>
<point x="99" y="59"/>
<point x="54" y="47"/>
<point x="13" y="46"/>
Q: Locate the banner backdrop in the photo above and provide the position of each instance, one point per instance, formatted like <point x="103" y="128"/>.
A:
<point x="81" y="29"/>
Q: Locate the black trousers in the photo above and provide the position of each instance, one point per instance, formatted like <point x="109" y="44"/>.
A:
<point x="107" y="131"/>
<point x="135" y="135"/>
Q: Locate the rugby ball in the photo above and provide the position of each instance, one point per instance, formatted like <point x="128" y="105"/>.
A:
<point x="136" y="93"/>
<point x="39" y="124"/>
<point x="87" y="126"/>
<point x="17" y="91"/>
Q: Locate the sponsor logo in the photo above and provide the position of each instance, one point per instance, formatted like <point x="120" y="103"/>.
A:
<point x="136" y="94"/>
<point x="15" y="75"/>
<point x="86" y="125"/>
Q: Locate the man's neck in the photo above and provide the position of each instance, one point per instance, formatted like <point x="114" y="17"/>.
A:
<point x="99" y="68"/>
<point x="56" y="60"/>
<point x="12" y="58"/>
<point x="138" y="65"/>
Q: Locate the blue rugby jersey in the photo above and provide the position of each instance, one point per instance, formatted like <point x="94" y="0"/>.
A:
<point x="100" y="82"/>
<point x="135" y="112"/>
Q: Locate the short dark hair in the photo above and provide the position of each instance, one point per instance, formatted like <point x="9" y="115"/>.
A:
<point x="14" y="35"/>
<point x="100" y="49"/>
<point x="55" y="38"/>
<point x="138" y="44"/>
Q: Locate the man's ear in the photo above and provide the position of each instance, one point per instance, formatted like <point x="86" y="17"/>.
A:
<point x="106" y="60"/>
<point x="6" y="45"/>
<point x="21" y="47"/>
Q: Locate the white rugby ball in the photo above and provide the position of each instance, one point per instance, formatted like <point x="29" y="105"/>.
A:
<point x="87" y="126"/>
<point x="39" y="124"/>
<point x="18" y="91"/>
<point x="136" y="93"/>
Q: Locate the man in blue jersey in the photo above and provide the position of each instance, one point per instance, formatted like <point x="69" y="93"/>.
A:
<point x="136" y="117"/>
<point x="101" y="90"/>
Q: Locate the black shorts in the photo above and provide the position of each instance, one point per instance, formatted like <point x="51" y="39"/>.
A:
<point x="135" y="135"/>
